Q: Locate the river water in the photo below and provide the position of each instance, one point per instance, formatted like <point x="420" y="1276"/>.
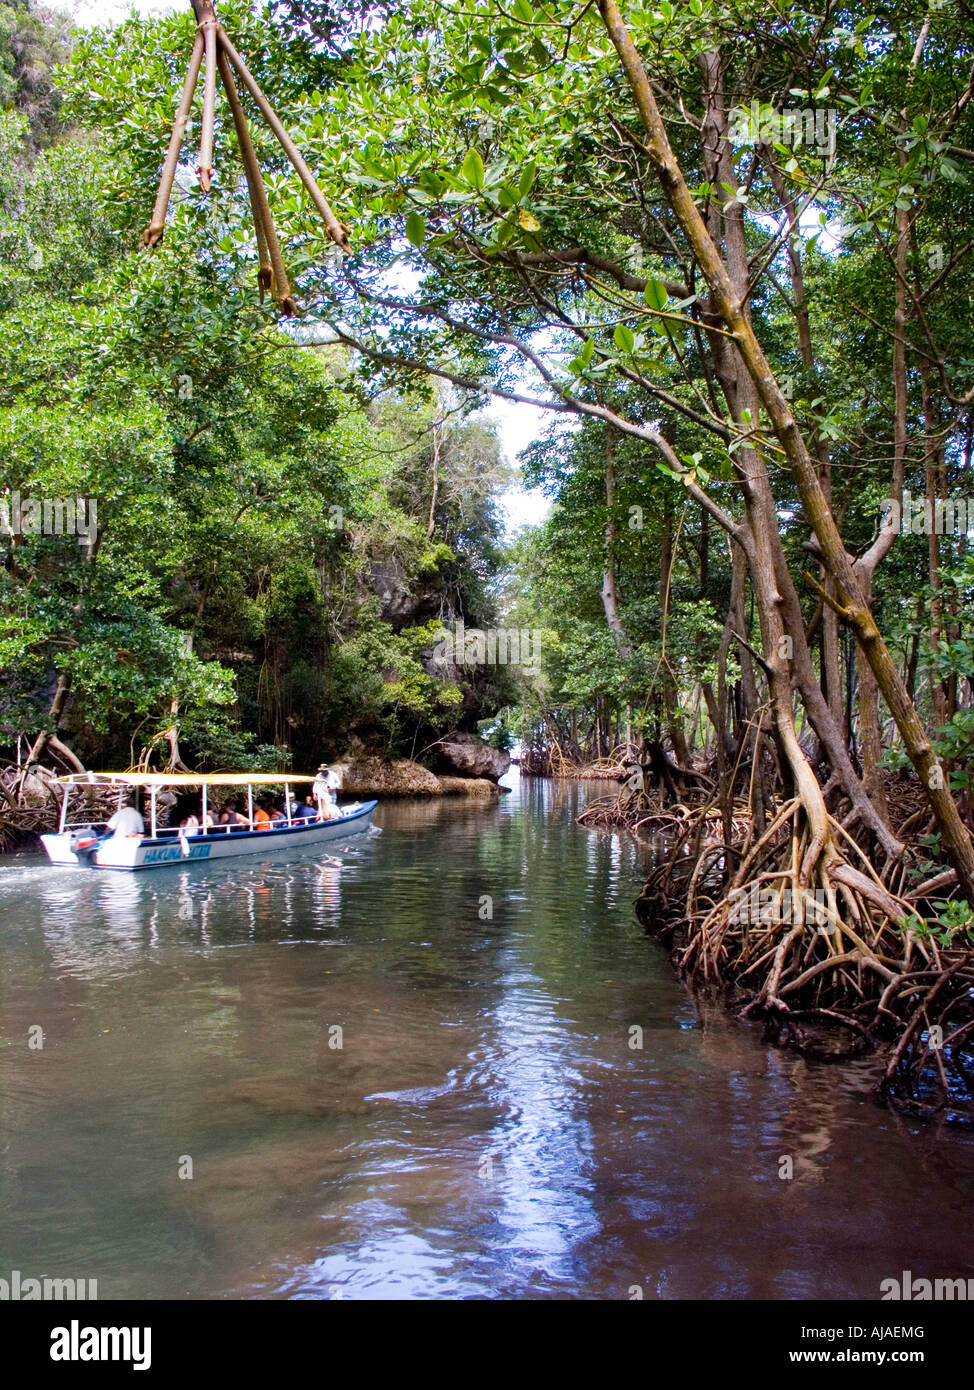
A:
<point x="443" y="1062"/>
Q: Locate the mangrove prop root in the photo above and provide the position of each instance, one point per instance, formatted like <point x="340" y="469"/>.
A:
<point x="271" y="273"/>
<point x="208" y="29"/>
<point x="336" y="230"/>
<point x="818" y="947"/>
<point x="157" y="225"/>
<point x="213" y="51"/>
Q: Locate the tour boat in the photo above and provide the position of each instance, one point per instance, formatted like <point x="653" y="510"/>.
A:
<point x="91" y="844"/>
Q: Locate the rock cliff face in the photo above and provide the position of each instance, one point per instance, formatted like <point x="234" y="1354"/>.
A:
<point x="369" y="775"/>
<point x="406" y="601"/>
<point x="471" y="757"/>
<point x="366" y="775"/>
<point x="410" y="600"/>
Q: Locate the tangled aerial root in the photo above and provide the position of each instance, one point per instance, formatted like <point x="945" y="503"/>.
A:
<point x="552" y="760"/>
<point x="645" y="814"/>
<point x="931" y="1068"/>
<point x="802" y="932"/>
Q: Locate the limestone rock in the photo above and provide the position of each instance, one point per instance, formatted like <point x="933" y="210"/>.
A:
<point x="471" y="757"/>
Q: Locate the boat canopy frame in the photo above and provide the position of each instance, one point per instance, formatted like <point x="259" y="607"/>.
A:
<point x="185" y="779"/>
<point x="155" y="781"/>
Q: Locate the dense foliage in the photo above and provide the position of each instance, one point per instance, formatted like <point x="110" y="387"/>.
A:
<point x="508" y="235"/>
<point x="255" y="565"/>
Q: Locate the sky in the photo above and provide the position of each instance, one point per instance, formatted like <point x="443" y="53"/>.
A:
<point x="94" y="12"/>
<point x="518" y="426"/>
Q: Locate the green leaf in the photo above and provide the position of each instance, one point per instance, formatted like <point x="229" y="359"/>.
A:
<point x="504" y="233"/>
<point x="669" y="472"/>
<point x="655" y="295"/>
<point x="624" y="338"/>
<point x="523" y="10"/>
<point x="416" y="228"/>
<point x="473" y="169"/>
<point x="526" y="181"/>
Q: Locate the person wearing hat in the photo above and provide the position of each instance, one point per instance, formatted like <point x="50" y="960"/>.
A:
<point x="326" y="783"/>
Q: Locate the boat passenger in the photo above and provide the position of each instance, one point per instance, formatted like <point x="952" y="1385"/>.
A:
<point x="189" y="826"/>
<point x="326" y="783"/>
<point x="305" y="810"/>
<point x="126" y="821"/>
<point x="231" y="816"/>
<point x="262" y="820"/>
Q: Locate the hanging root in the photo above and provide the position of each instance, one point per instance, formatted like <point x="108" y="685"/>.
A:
<point x="157" y="224"/>
<point x="810" y="939"/>
<point x="215" y="54"/>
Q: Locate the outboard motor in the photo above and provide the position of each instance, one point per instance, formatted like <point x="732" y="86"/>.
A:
<point x="83" y="839"/>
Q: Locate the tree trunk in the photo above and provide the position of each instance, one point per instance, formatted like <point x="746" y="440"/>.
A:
<point x="933" y="491"/>
<point x="435" y="485"/>
<point x="850" y="604"/>
<point x="741" y="394"/>
<point x="871" y="738"/>
<point x="610" y="593"/>
<point x="673" y="721"/>
<point x="60" y="699"/>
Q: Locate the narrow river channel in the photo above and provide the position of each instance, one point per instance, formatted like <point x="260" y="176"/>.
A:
<point x="412" y="1069"/>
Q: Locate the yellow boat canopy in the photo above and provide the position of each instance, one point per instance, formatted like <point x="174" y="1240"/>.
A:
<point x="183" y="779"/>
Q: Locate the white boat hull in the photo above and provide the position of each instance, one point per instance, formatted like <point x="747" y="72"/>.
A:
<point x="131" y="852"/>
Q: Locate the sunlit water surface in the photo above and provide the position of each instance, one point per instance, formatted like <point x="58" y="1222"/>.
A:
<point x="412" y="1068"/>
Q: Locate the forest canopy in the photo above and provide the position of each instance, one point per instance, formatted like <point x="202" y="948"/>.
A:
<point x="724" y="248"/>
<point x="260" y="547"/>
